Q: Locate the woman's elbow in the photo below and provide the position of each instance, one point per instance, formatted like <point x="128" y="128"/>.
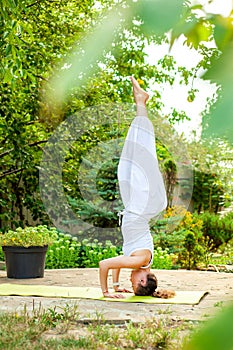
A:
<point x="102" y="264"/>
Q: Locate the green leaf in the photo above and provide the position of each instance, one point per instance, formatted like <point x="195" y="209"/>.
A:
<point x="158" y="16"/>
<point x="223" y="31"/>
<point x="7" y="76"/>
<point x="220" y="121"/>
<point x="182" y="27"/>
<point x="202" y="31"/>
<point x="8" y="49"/>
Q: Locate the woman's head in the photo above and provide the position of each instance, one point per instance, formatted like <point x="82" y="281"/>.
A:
<point x="150" y="286"/>
<point x="143" y="282"/>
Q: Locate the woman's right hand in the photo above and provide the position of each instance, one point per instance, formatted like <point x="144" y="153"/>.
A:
<point x="113" y="296"/>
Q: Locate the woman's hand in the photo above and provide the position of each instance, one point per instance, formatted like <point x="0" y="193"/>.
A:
<point x="113" y="296"/>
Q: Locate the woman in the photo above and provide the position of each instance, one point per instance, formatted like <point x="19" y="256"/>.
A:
<point x="143" y="195"/>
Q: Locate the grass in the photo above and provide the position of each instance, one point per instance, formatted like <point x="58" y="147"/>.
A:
<point x="51" y="329"/>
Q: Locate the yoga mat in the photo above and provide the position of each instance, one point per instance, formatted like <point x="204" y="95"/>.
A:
<point x="181" y="297"/>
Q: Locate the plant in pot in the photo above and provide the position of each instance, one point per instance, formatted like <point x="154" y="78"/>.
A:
<point x="25" y="250"/>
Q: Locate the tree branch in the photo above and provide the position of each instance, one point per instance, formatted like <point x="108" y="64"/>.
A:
<point x="6" y="152"/>
<point x="10" y="172"/>
<point x="33" y="4"/>
<point x="37" y="143"/>
<point x="30" y="145"/>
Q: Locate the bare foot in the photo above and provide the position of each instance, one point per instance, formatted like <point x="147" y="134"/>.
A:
<point x="140" y="95"/>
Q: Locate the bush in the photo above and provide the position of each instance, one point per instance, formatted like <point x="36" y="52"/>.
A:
<point x="68" y="252"/>
<point x="170" y="231"/>
<point x="64" y="253"/>
<point x="162" y="259"/>
<point x="218" y="229"/>
<point x="31" y="236"/>
<point x="92" y="253"/>
<point x="192" y="237"/>
<point x="208" y="192"/>
<point x="181" y="239"/>
<point x="193" y="252"/>
<point x="224" y="255"/>
<point x="180" y="233"/>
<point x="2" y="258"/>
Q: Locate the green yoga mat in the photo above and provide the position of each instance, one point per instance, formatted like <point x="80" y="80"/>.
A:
<point x="181" y="297"/>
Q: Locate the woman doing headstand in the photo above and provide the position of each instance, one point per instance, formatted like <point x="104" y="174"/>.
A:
<point x="144" y="196"/>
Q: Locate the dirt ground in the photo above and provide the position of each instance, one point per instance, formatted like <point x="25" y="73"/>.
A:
<point x="219" y="285"/>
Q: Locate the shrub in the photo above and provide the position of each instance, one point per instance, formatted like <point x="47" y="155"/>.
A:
<point x="180" y="232"/>
<point x="92" y="253"/>
<point x="2" y="258"/>
<point x="64" y="253"/>
<point x="208" y="192"/>
<point x="218" y="229"/>
<point x="224" y="255"/>
<point x="40" y="235"/>
<point x="170" y="231"/>
<point x="162" y="259"/>
<point x="68" y="252"/>
<point x="192" y="252"/>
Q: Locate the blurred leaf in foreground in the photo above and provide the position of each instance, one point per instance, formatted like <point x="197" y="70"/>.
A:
<point x="217" y="334"/>
<point x="220" y="121"/>
<point x="82" y="61"/>
<point x="158" y="16"/>
<point x="201" y="31"/>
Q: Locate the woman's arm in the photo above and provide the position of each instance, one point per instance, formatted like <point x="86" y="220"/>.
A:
<point x="117" y="263"/>
<point x="115" y="279"/>
<point x="116" y="284"/>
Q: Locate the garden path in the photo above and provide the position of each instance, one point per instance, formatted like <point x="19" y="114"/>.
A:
<point x="219" y="285"/>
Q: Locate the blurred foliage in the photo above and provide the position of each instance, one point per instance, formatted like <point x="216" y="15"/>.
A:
<point x="219" y="122"/>
<point x="216" y="334"/>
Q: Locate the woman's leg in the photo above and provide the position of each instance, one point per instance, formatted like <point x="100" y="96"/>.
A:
<point x="140" y="181"/>
<point x="140" y="97"/>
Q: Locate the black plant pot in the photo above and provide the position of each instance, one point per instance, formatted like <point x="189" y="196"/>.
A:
<point x="25" y="262"/>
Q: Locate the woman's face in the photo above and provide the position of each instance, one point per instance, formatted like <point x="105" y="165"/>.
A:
<point x="138" y="276"/>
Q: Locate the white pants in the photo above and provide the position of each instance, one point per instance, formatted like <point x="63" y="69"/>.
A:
<point x="141" y="186"/>
<point x="140" y="180"/>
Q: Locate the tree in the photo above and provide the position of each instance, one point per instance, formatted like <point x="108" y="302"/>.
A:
<point x="35" y="35"/>
<point x="42" y="37"/>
